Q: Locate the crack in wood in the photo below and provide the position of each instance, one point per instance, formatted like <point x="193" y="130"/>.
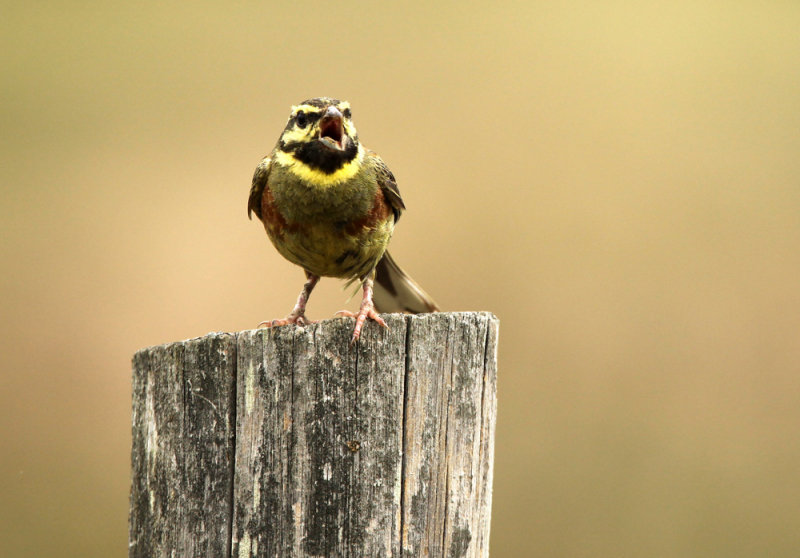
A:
<point x="243" y="444"/>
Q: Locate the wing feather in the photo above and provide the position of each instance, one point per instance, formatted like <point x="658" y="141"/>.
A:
<point x="388" y="184"/>
<point x="257" y="189"/>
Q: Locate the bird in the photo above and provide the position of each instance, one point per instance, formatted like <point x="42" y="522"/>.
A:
<point x="329" y="205"/>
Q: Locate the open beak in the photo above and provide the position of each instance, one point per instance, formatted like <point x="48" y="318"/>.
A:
<point x="331" y="129"/>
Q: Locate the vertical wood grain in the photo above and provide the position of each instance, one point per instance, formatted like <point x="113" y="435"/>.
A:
<point x="290" y="441"/>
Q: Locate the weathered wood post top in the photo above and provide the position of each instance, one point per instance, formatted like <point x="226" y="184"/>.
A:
<point x="292" y="442"/>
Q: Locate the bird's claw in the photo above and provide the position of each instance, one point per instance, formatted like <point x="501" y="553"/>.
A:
<point x="299" y="320"/>
<point x="367" y="311"/>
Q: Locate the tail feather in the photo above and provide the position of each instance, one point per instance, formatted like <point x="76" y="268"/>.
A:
<point x="394" y="291"/>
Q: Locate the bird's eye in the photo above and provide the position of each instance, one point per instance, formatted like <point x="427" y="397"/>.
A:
<point x="301" y="119"/>
<point x="347" y="113"/>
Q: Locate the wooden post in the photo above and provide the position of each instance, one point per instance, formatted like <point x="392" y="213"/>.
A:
<point x="290" y="442"/>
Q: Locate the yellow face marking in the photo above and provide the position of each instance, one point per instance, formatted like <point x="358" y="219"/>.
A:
<point x="297" y="134"/>
<point x="309" y="133"/>
<point x="349" y="129"/>
<point x="317" y="177"/>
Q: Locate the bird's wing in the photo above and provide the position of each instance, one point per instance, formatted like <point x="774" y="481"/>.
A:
<point x="257" y="189"/>
<point x="388" y="185"/>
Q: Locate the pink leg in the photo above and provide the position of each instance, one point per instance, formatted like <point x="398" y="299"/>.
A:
<point x="298" y="313"/>
<point x="367" y="310"/>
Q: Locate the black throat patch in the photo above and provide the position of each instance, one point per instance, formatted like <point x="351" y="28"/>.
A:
<point x="319" y="157"/>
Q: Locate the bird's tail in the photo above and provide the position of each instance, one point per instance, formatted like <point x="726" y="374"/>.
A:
<point x="394" y="291"/>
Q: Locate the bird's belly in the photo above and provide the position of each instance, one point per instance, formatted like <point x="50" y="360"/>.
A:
<point x="328" y="249"/>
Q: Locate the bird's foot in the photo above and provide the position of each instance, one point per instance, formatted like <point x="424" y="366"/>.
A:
<point x="298" y="319"/>
<point x="367" y="310"/>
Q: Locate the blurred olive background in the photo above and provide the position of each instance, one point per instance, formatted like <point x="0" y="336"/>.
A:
<point x="618" y="182"/>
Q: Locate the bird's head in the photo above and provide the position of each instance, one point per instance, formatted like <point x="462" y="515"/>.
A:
<point x="320" y="136"/>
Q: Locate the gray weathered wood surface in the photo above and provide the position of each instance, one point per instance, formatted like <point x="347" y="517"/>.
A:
<point x="291" y="442"/>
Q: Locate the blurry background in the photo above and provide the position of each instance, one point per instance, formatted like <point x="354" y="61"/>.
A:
<point x="619" y="183"/>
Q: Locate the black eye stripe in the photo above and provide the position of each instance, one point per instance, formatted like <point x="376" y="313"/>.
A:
<point x="307" y="116"/>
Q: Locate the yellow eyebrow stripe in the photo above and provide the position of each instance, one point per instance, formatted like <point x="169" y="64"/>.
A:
<point x="305" y="108"/>
<point x="342" y="106"/>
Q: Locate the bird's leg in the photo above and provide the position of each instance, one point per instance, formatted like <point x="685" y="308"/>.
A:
<point x="298" y="313"/>
<point x="367" y="310"/>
